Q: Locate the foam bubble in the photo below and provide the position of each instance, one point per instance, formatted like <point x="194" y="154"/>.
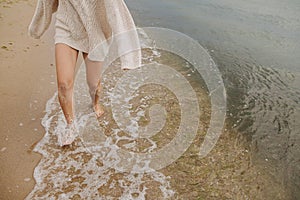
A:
<point x="88" y="168"/>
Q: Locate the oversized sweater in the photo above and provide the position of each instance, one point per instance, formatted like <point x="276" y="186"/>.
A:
<point x="107" y="24"/>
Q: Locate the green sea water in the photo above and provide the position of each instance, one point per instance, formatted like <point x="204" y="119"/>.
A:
<point x="255" y="45"/>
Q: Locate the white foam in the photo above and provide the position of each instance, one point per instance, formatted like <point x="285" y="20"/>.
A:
<point x="90" y="166"/>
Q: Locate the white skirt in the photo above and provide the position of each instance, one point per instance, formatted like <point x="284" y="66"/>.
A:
<point x="101" y="28"/>
<point x="64" y="31"/>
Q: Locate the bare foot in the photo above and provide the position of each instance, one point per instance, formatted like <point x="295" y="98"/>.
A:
<point x="67" y="136"/>
<point x="98" y="109"/>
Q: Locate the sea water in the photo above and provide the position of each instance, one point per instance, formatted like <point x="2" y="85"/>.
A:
<point x="255" y="45"/>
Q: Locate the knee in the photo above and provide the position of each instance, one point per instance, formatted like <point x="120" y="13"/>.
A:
<point x="64" y="87"/>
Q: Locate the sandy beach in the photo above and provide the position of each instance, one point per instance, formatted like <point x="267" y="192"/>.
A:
<point x="27" y="81"/>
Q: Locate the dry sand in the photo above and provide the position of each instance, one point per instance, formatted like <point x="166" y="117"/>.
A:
<point x="27" y="81"/>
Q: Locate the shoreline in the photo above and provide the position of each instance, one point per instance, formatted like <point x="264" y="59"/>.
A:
<point x="27" y="84"/>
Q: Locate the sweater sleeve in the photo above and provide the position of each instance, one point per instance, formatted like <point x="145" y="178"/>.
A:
<point x="125" y="34"/>
<point x="42" y="17"/>
<point x="124" y="41"/>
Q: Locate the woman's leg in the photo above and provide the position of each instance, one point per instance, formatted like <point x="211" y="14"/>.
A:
<point x="93" y="74"/>
<point x="66" y="58"/>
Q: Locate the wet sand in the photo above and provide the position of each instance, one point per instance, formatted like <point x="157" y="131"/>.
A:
<point x="27" y="81"/>
<point x="255" y="45"/>
<point x="27" y="84"/>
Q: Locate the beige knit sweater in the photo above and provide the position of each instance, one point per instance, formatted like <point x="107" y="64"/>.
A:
<point x="108" y="24"/>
